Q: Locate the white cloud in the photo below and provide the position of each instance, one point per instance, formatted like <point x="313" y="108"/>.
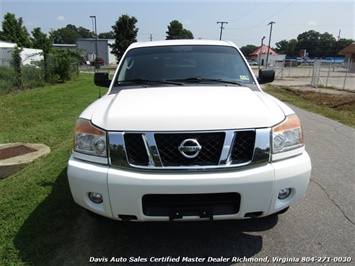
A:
<point x="312" y="23"/>
<point x="187" y="22"/>
<point x="61" y="18"/>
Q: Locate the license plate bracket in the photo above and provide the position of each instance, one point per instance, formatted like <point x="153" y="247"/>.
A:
<point x="178" y="212"/>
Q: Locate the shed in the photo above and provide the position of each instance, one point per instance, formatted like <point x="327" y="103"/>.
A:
<point x="260" y="55"/>
<point x="28" y="55"/>
<point x="349" y="53"/>
<point x="262" y="50"/>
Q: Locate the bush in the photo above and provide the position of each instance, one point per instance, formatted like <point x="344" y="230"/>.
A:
<point x="33" y="76"/>
<point x="6" y="79"/>
<point x="16" y="64"/>
<point x="61" y="66"/>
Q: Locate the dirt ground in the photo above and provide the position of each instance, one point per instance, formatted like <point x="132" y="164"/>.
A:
<point x="340" y="101"/>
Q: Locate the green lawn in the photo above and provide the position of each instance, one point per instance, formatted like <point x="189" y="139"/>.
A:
<point x="36" y="201"/>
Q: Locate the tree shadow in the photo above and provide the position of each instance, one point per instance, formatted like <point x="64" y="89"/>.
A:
<point x="58" y="232"/>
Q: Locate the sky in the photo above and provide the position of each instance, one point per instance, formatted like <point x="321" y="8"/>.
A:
<point x="248" y="20"/>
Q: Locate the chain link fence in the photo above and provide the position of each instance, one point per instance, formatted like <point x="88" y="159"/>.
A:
<point x="319" y="74"/>
<point x="333" y="75"/>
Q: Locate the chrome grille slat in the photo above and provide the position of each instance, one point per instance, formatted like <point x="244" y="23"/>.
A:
<point x="152" y="150"/>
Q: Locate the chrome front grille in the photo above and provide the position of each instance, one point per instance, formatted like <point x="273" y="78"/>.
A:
<point x="243" y="147"/>
<point x="189" y="150"/>
<point x="135" y="149"/>
<point x="211" y="143"/>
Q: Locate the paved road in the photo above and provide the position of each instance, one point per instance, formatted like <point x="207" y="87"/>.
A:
<point x="322" y="224"/>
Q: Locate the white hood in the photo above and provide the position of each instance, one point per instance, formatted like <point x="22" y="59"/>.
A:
<point x="184" y="108"/>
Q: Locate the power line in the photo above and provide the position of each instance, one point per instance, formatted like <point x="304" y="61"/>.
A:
<point x="273" y="15"/>
<point x="247" y="13"/>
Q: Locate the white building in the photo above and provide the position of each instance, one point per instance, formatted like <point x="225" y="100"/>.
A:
<point x="28" y="55"/>
<point x="260" y="55"/>
<point x="87" y="48"/>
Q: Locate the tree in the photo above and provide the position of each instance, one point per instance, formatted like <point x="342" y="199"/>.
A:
<point x="327" y="43"/>
<point x="107" y="35"/>
<point x="287" y="47"/>
<point x="309" y="40"/>
<point x="16" y="64"/>
<point x="125" y="33"/>
<point x="41" y="41"/>
<point x="13" y="31"/>
<point x="177" y="31"/>
<point x="85" y="33"/>
<point x="69" y="34"/>
<point x="248" y="49"/>
<point x="316" y="44"/>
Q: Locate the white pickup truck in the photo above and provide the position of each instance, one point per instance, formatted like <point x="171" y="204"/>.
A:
<point x="186" y="133"/>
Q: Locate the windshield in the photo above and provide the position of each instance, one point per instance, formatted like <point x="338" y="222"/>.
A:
<point x="184" y="64"/>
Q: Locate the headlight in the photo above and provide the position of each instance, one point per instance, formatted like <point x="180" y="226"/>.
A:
<point x="288" y="135"/>
<point x="89" y="139"/>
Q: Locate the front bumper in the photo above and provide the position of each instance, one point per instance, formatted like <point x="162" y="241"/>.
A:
<point x="123" y="190"/>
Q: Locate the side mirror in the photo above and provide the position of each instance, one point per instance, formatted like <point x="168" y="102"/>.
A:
<point x="266" y="75"/>
<point x="101" y="79"/>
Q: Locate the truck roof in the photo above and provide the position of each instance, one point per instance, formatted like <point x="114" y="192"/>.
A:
<point x="180" y="42"/>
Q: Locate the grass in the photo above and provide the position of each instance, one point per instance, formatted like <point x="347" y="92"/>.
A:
<point x="35" y="202"/>
<point x="340" y="107"/>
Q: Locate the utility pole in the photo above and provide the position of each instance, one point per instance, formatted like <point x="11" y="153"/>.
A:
<point x="337" y="46"/>
<point x="221" y="22"/>
<point x="96" y="49"/>
<point x="268" y="49"/>
<point x="261" y="49"/>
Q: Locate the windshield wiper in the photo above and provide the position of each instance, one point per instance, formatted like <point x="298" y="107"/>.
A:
<point x="199" y="79"/>
<point x="145" y="81"/>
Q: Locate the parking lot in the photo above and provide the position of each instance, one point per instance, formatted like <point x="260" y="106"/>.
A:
<point x="329" y="76"/>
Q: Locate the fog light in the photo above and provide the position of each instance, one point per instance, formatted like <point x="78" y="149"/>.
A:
<point x="284" y="193"/>
<point x="95" y="197"/>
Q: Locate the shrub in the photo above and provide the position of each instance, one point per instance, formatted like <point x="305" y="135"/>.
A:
<point x="61" y="66"/>
<point x="32" y="76"/>
<point x="6" y="79"/>
<point x="16" y="64"/>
